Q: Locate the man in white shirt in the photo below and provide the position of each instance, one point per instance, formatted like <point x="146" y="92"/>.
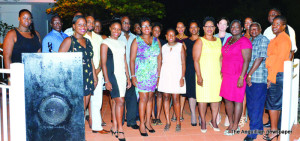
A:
<point x="96" y="99"/>
<point x="270" y="35"/>
<point x="130" y="97"/>
<point x="69" y="31"/>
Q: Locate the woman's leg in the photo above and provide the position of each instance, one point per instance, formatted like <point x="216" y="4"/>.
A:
<point x="119" y="104"/>
<point x="149" y="110"/>
<point x="176" y="105"/>
<point x="159" y="104"/>
<point x="229" y="106"/>
<point x="142" y="110"/>
<point x="153" y="111"/>
<point x="182" y="102"/>
<point x="202" y="111"/>
<point x="214" y="111"/>
<point x="113" y="113"/>
<point x="238" y="109"/>
<point x="192" y="103"/>
<point x="274" y="116"/>
<point x="166" y="103"/>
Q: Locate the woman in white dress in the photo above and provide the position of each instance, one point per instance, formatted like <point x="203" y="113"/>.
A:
<point x="172" y="77"/>
<point x="115" y="72"/>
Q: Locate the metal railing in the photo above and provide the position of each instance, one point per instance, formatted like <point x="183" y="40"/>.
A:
<point x="290" y="98"/>
<point x="16" y="129"/>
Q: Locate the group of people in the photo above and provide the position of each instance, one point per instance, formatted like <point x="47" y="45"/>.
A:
<point x="144" y="71"/>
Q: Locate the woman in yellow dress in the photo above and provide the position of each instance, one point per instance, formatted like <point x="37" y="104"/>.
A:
<point x="207" y="56"/>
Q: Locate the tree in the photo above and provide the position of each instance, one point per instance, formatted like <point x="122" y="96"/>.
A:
<point x="106" y="9"/>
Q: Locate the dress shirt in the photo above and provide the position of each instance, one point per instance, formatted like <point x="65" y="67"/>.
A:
<point x="128" y="45"/>
<point x="96" y="41"/>
<point x="69" y="31"/>
<point x="259" y="50"/>
<point x="53" y="40"/>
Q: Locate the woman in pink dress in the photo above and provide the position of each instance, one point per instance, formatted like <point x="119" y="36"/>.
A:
<point x="236" y="57"/>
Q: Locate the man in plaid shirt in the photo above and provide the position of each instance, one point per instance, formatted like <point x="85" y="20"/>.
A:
<point x="256" y="89"/>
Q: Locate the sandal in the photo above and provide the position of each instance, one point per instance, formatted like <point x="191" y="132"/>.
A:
<point x="158" y="122"/>
<point x="181" y="119"/>
<point x="154" y="122"/>
<point x="173" y="119"/>
<point x="167" y="127"/>
<point x="178" y="128"/>
<point x="243" y="120"/>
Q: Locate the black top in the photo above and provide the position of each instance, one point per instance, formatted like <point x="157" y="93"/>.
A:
<point x="190" y="69"/>
<point x="24" y="45"/>
<point x="87" y="56"/>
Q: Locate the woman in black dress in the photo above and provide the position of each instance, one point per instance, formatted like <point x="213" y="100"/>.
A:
<point x="23" y="39"/>
<point x="77" y="43"/>
<point x="190" y="70"/>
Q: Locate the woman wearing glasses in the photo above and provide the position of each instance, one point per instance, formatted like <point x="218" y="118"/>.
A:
<point x="207" y="55"/>
<point x="145" y="64"/>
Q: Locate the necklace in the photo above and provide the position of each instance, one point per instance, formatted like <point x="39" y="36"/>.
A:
<point x="23" y="31"/>
<point x="180" y="38"/>
<point x="227" y="47"/>
<point x="148" y="43"/>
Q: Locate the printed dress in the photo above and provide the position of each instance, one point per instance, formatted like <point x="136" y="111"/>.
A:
<point x="87" y="56"/>
<point x="146" y="65"/>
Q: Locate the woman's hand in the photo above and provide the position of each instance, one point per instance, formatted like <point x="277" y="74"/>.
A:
<point x="128" y="83"/>
<point x="240" y="82"/>
<point x="108" y="86"/>
<point x="95" y="83"/>
<point x="134" y="81"/>
<point x="268" y="84"/>
<point x="200" y="81"/>
<point x="181" y="82"/>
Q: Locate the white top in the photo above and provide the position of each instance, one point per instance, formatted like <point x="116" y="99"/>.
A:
<point x="69" y="31"/>
<point x="270" y="35"/>
<point x="96" y="41"/>
<point x="128" y="45"/>
<point x="117" y="48"/>
<point x="171" y="70"/>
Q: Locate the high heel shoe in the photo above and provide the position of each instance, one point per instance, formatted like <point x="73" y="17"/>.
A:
<point x="143" y="134"/>
<point x="267" y="138"/>
<point x="211" y="125"/>
<point x="114" y="133"/>
<point x="151" y="131"/>
<point x="123" y="139"/>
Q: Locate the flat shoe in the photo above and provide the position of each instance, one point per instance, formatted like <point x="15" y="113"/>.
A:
<point x="167" y="127"/>
<point x="178" y="128"/>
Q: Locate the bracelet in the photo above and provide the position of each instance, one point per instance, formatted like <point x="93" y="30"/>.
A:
<point x="249" y="76"/>
<point x="241" y="77"/>
<point x="158" y="76"/>
<point x="106" y="82"/>
<point x="132" y="76"/>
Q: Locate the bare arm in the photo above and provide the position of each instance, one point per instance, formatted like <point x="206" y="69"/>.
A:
<point x="159" y="62"/>
<point x="127" y="73"/>
<point x="8" y="46"/>
<point x="196" y="57"/>
<point x="246" y="57"/>
<point x="103" y="54"/>
<point x="183" y="66"/>
<point x="65" y="45"/>
<point x="133" y="51"/>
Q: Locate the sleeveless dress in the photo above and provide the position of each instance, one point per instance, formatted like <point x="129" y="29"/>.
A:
<point x="24" y="45"/>
<point x="190" y="70"/>
<point x="87" y="56"/>
<point x="171" y="70"/>
<point x="146" y="65"/>
<point x="211" y="72"/>
<point x="116" y="66"/>
<point x="232" y="65"/>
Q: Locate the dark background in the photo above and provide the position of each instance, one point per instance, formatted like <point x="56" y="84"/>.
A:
<point x="187" y="10"/>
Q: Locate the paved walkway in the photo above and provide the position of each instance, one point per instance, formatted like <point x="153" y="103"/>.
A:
<point x="188" y="132"/>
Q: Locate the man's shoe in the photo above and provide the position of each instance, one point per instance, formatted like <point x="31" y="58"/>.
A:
<point x="268" y="124"/>
<point x="248" y="139"/>
<point x="133" y="126"/>
<point x="101" y="132"/>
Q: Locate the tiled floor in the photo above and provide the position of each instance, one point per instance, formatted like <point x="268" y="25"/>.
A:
<point x="188" y="132"/>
